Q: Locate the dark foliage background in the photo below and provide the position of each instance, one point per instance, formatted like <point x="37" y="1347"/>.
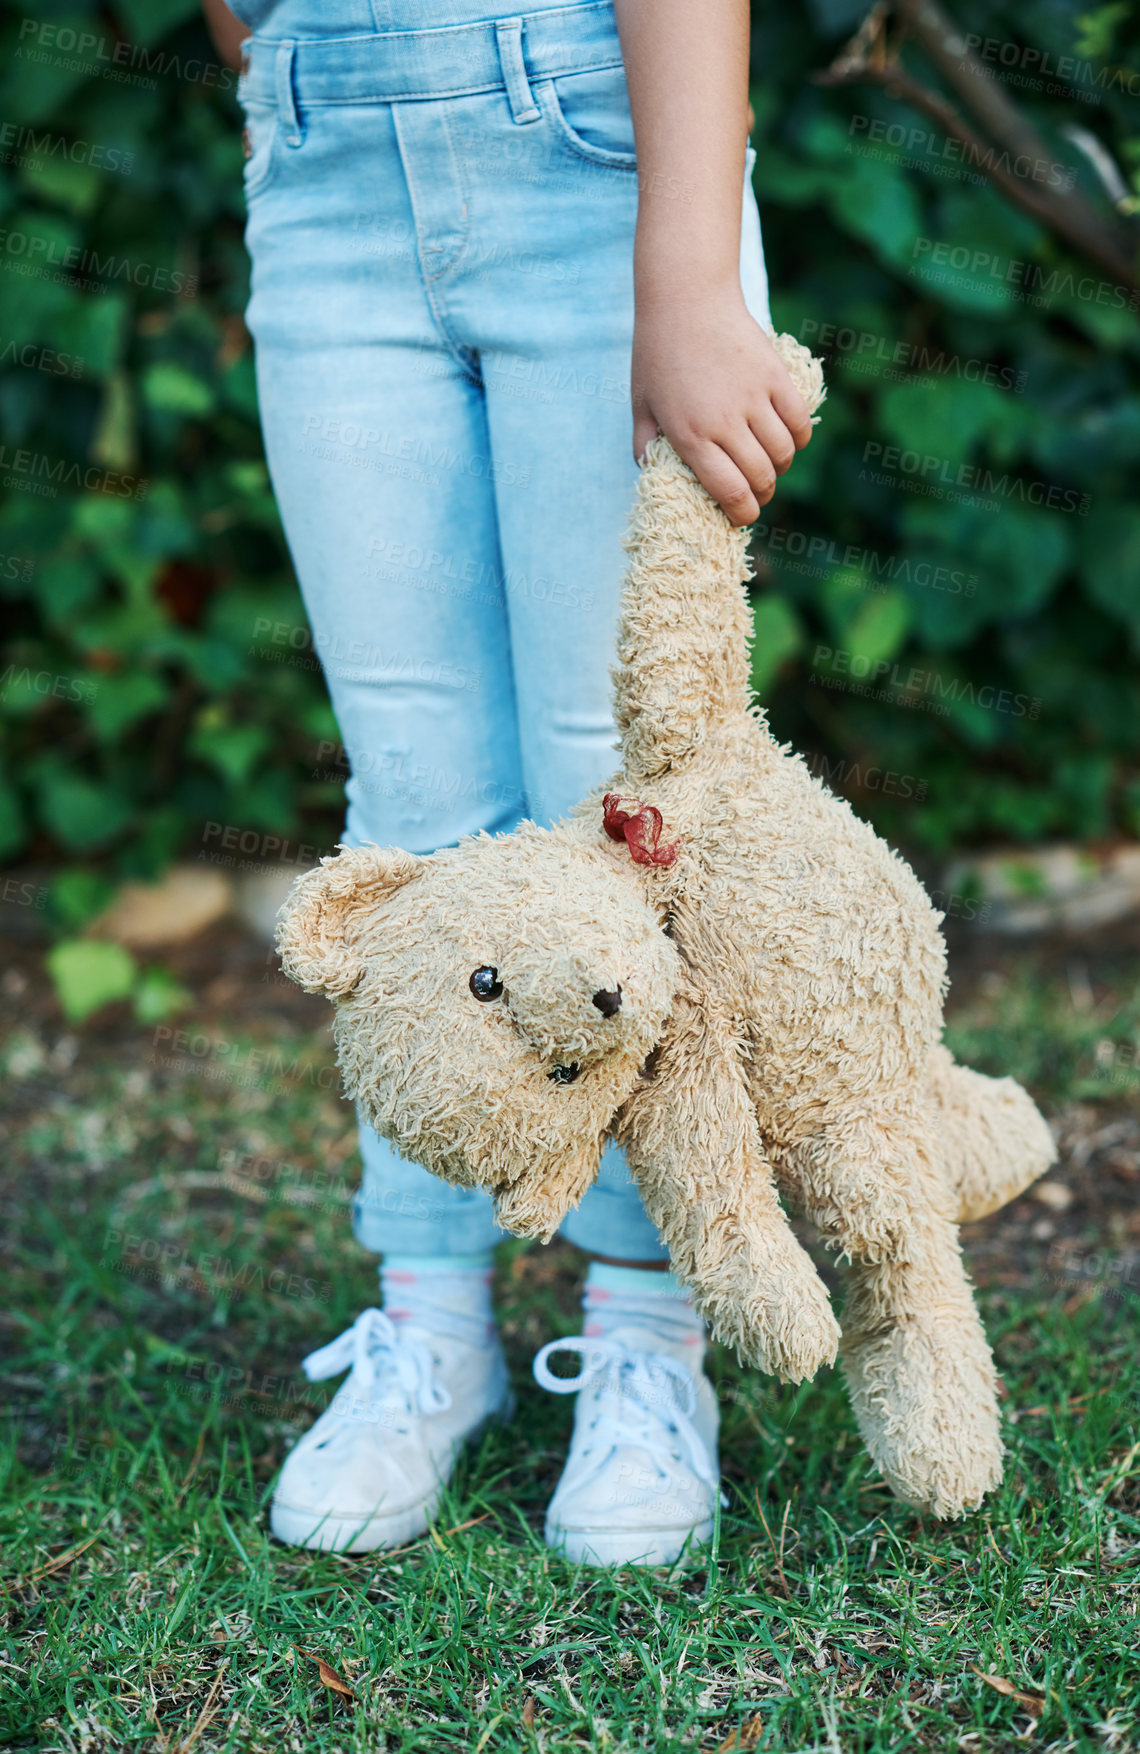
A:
<point x="142" y="561"/>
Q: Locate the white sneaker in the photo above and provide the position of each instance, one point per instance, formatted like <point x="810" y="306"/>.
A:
<point x="370" y="1471"/>
<point x="641" y="1478"/>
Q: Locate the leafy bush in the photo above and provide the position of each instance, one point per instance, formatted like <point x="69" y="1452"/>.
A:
<point x="146" y="690"/>
<point x="987" y="585"/>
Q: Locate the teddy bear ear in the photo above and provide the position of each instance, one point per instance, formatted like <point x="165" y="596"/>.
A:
<point x="314" y="936"/>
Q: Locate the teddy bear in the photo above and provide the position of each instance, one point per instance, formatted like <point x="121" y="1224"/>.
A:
<point x="715" y="962"/>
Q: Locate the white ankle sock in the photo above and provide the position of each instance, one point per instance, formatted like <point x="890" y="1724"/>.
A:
<point x="652" y="1303"/>
<point x="446" y="1294"/>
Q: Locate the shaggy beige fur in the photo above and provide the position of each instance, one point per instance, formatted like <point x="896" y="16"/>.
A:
<point x="778" y="1033"/>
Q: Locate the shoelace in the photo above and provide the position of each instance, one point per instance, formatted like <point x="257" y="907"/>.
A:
<point x="386" y="1364"/>
<point x="656" y="1397"/>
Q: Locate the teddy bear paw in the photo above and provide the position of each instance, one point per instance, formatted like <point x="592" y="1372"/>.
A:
<point x="924" y="1398"/>
<point x="786" y="1328"/>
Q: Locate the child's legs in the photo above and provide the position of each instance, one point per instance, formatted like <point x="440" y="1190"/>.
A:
<point x="558" y="412"/>
<point x="376" y="438"/>
<point x="419" y="671"/>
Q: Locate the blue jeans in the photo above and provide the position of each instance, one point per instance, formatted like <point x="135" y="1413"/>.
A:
<point x="441" y="225"/>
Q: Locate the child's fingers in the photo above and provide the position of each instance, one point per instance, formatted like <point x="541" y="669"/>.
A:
<point x="793" y="411"/>
<point x="723" y="478"/>
<point x="753" y="458"/>
<point x="775" y="438"/>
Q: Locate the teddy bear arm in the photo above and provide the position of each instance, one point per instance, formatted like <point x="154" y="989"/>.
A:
<point x="693" y="1144"/>
<point x="683" y="665"/>
<point x="682" y="652"/>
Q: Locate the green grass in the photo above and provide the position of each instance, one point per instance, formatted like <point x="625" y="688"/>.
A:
<point x="174" y="1243"/>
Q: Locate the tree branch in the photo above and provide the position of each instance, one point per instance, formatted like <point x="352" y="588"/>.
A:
<point x="864" y="60"/>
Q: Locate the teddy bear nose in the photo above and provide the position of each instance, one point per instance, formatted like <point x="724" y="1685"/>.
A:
<point x="609" y="1004"/>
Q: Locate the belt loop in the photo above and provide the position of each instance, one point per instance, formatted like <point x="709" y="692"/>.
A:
<point x="286" y="97"/>
<point x="508" y="35"/>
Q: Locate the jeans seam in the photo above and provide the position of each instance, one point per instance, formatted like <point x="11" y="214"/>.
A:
<point x="463" y="356"/>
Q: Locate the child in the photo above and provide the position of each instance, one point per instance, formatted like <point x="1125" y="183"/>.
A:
<point x="456" y="257"/>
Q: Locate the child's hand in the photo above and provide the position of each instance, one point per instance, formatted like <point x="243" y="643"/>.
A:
<point x="707" y="376"/>
<point x="704" y="372"/>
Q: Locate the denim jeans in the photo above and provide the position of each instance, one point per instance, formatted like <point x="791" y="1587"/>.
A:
<point x="442" y="198"/>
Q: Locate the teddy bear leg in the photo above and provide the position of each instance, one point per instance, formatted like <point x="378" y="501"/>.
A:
<point x="536" y="1204"/>
<point x="918" y="1367"/>
<point x="693" y="1143"/>
<point x="993" y="1138"/>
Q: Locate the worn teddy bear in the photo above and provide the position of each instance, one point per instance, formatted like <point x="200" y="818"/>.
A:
<point x="718" y="964"/>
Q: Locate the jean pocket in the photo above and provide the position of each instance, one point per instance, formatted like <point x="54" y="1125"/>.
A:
<point x="591" y="113"/>
<point x="260" y="142"/>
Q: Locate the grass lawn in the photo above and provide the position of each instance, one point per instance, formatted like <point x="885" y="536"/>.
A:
<point x="175" y="1237"/>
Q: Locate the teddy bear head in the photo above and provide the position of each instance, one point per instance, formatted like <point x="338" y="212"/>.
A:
<point x="496" y="1003"/>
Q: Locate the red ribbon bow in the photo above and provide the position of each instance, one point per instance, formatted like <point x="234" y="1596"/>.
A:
<point x="639" y="827"/>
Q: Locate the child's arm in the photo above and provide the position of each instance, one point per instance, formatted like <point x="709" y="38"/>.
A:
<point x="704" y="372"/>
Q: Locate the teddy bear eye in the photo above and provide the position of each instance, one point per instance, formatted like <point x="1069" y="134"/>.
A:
<point x="485" y="984"/>
<point x="565" y="1074"/>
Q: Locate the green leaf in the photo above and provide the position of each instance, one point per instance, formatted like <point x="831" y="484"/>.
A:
<point x="13" y="833"/>
<point x="1110" y="562"/>
<point x="880" y="205"/>
<point x="65" y="583"/>
<point x="947" y="421"/>
<point x="171" y="389"/>
<point x="1015" y="559"/>
<point x="120" y="701"/>
<point x="82" y="814"/>
<point x="74" y="186"/>
<point x="77" y="895"/>
<point x="88" y="974"/>
<point x="879" y="628"/>
<point x="113" y="443"/>
<point x="159" y="996"/>
<point x="233" y="750"/>
<point x="776" y="636"/>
